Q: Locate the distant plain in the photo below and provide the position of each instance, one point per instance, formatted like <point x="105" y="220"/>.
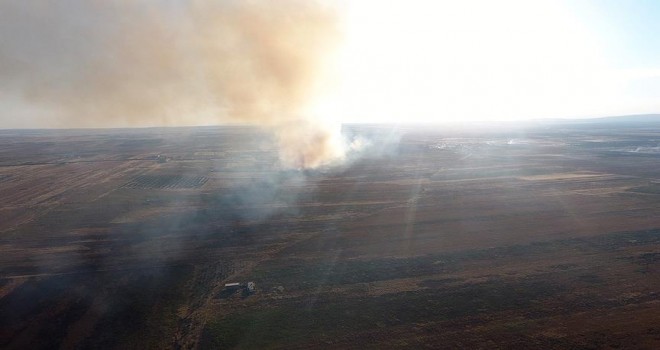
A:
<point x="539" y="236"/>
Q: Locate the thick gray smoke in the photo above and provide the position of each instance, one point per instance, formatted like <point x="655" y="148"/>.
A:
<point x="97" y="63"/>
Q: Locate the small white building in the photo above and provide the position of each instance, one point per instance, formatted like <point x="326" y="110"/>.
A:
<point x="250" y="287"/>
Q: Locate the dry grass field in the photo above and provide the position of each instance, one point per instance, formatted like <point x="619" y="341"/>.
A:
<point x="539" y="237"/>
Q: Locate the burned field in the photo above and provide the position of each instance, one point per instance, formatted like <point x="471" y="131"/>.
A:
<point x="164" y="181"/>
<point x="538" y="237"/>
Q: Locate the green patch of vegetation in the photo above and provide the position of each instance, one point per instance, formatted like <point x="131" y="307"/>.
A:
<point x="258" y="329"/>
<point x="324" y="318"/>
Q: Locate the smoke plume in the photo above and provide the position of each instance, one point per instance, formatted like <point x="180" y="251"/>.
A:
<point x="97" y="63"/>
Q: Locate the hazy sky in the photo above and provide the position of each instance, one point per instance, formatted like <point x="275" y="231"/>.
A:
<point x="172" y="62"/>
<point x="418" y="60"/>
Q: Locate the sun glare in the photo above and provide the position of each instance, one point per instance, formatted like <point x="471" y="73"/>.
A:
<point x="427" y="61"/>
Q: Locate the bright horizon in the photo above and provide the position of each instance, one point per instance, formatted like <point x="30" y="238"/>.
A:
<point x="463" y="61"/>
<point x="398" y="61"/>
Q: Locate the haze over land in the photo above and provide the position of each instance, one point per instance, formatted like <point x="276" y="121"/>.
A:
<point x="318" y="174"/>
<point x="301" y="68"/>
<point x="543" y="237"/>
<point x="123" y="64"/>
<point x="98" y="63"/>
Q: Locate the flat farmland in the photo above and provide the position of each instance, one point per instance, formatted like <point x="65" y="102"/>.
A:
<point x="527" y="237"/>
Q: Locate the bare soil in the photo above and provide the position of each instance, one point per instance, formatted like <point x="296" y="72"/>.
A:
<point x="428" y="239"/>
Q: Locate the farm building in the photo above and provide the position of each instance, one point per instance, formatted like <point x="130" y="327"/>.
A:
<point x="232" y="285"/>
